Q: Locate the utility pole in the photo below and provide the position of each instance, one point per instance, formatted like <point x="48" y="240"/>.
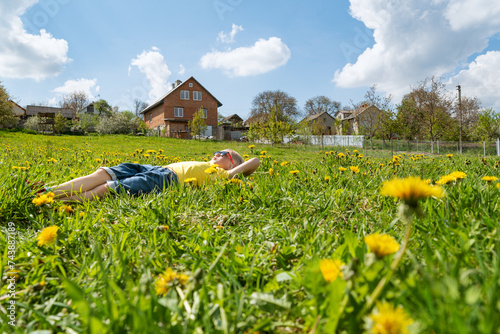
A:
<point x="460" y="116"/>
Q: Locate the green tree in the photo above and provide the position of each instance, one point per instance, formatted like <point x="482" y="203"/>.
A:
<point x="7" y="117"/>
<point x="264" y="103"/>
<point x="198" y="125"/>
<point x="103" y="108"/>
<point x="408" y="120"/>
<point x="488" y="125"/>
<point x="434" y="104"/>
<point x="60" y="123"/>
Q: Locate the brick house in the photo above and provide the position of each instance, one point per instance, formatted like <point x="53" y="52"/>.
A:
<point x="171" y="113"/>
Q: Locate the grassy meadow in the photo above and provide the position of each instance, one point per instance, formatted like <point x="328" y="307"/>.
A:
<point x="306" y="244"/>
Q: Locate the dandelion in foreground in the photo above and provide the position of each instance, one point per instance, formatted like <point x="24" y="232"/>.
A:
<point x="381" y="244"/>
<point x="271" y="171"/>
<point x="210" y="170"/>
<point x="387" y="319"/>
<point x="168" y="279"/>
<point x="354" y="169"/>
<point x="190" y="180"/>
<point x="48" y="236"/>
<point x="489" y="178"/>
<point x="44" y="199"/>
<point x="410" y="190"/>
<point x="294" y="172"/>
<point x="342" y="169"/>
<point x="330" y="269"/>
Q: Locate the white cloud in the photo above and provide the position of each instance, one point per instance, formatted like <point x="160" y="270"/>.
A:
<point x="88" y="86"/>
<point x="262" y="57"/>
<point x="480" y="80"/>
<point x="470" y="14"/>
<point x="152" y="64"/>
<point x="225" y="38"/>
<point x="182" y="70"/>
<point x="415" y="39"/>
<point x="24" y="55"/>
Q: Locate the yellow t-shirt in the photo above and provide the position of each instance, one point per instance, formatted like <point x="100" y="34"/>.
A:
<point x="195" y="169"/>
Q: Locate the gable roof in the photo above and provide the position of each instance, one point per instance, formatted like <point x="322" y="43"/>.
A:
<point x="355" y="113"/>
<point x="316" y="116"/>
<point x="233" y="117"/>
<point x="161" y="99"/>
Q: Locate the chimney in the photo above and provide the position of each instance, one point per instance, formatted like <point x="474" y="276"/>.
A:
<point x="177" y="82"/>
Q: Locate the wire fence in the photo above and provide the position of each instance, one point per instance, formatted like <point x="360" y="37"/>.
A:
<point x="480" y="148"/>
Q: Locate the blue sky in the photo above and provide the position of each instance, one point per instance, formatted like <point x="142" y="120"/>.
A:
<point x="126" y="50"/>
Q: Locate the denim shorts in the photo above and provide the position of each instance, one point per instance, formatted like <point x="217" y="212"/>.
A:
<point x="138" y="179"/>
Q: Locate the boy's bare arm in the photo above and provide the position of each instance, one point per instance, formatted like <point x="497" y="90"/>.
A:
<point x="246" y="168"/>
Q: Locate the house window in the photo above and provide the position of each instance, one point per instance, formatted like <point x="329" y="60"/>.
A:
<point x="197" y="96"/>
<point x="178" y="112"/>
<point x="190" y="84"/>
<point x="184" y="95"/>
<point x="205" y="113"/>
<point x="150" y="117"/>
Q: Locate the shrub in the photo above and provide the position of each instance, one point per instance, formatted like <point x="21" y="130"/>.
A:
<point x="118" y="123"/>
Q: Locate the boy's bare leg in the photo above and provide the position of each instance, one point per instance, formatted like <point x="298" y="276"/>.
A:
<point x="82" y="184"/>
<point x="97" y="192"/>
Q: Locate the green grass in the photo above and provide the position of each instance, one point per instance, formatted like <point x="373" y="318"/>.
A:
<point x="251" y="251"/>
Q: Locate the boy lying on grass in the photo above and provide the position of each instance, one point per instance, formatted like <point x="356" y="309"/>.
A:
<point x="138" y="179"/>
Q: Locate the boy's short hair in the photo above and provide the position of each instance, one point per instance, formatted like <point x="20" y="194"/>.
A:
<point x="237" y="158"/>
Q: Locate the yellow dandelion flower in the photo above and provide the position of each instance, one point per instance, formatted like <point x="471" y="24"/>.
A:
<point x="360" y="155"/>
<point x="489" y="178"/>
<point x="211" y="170"/>
<point x="48" y="236"/>
<point x="410" y="190"/>
<point x="449" y="155"/>
<point x="340" y="155"/>
<point x="245" y="155"/>
<point x="459" y="175"/>
<point x="65" y="208"/>
<point x="44" y="199"/>
<point x="446" y="179"/>
<point x="271" y="171"/>
<point x="498" y="185"/>
<point x="234" y="181"/>
<point x="355" y="151"/>
<point x="190" y="180"/>
<point x="251" y="146"/>
<point x="294" y="172"/>
<point x="330" y="269"/>
<point x="167" y="279"/>
<point x="284" y="163"/>
<point x="82" y="214"/>
<point x="263" y="153"/>
<point x="388" y="319"/>
<point x="354" y="169"/>
<point x="342" y="169"/>
<point x="327" y="179"/>
<point x="381" y="244"/>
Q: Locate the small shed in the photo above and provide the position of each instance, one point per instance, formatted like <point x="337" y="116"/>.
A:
<point x="37" y="110"/>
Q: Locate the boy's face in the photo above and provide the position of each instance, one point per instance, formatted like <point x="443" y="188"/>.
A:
<point x="222" y="159"/>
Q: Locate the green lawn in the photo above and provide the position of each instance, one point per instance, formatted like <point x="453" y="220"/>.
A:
<point x="244" y="257"/>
